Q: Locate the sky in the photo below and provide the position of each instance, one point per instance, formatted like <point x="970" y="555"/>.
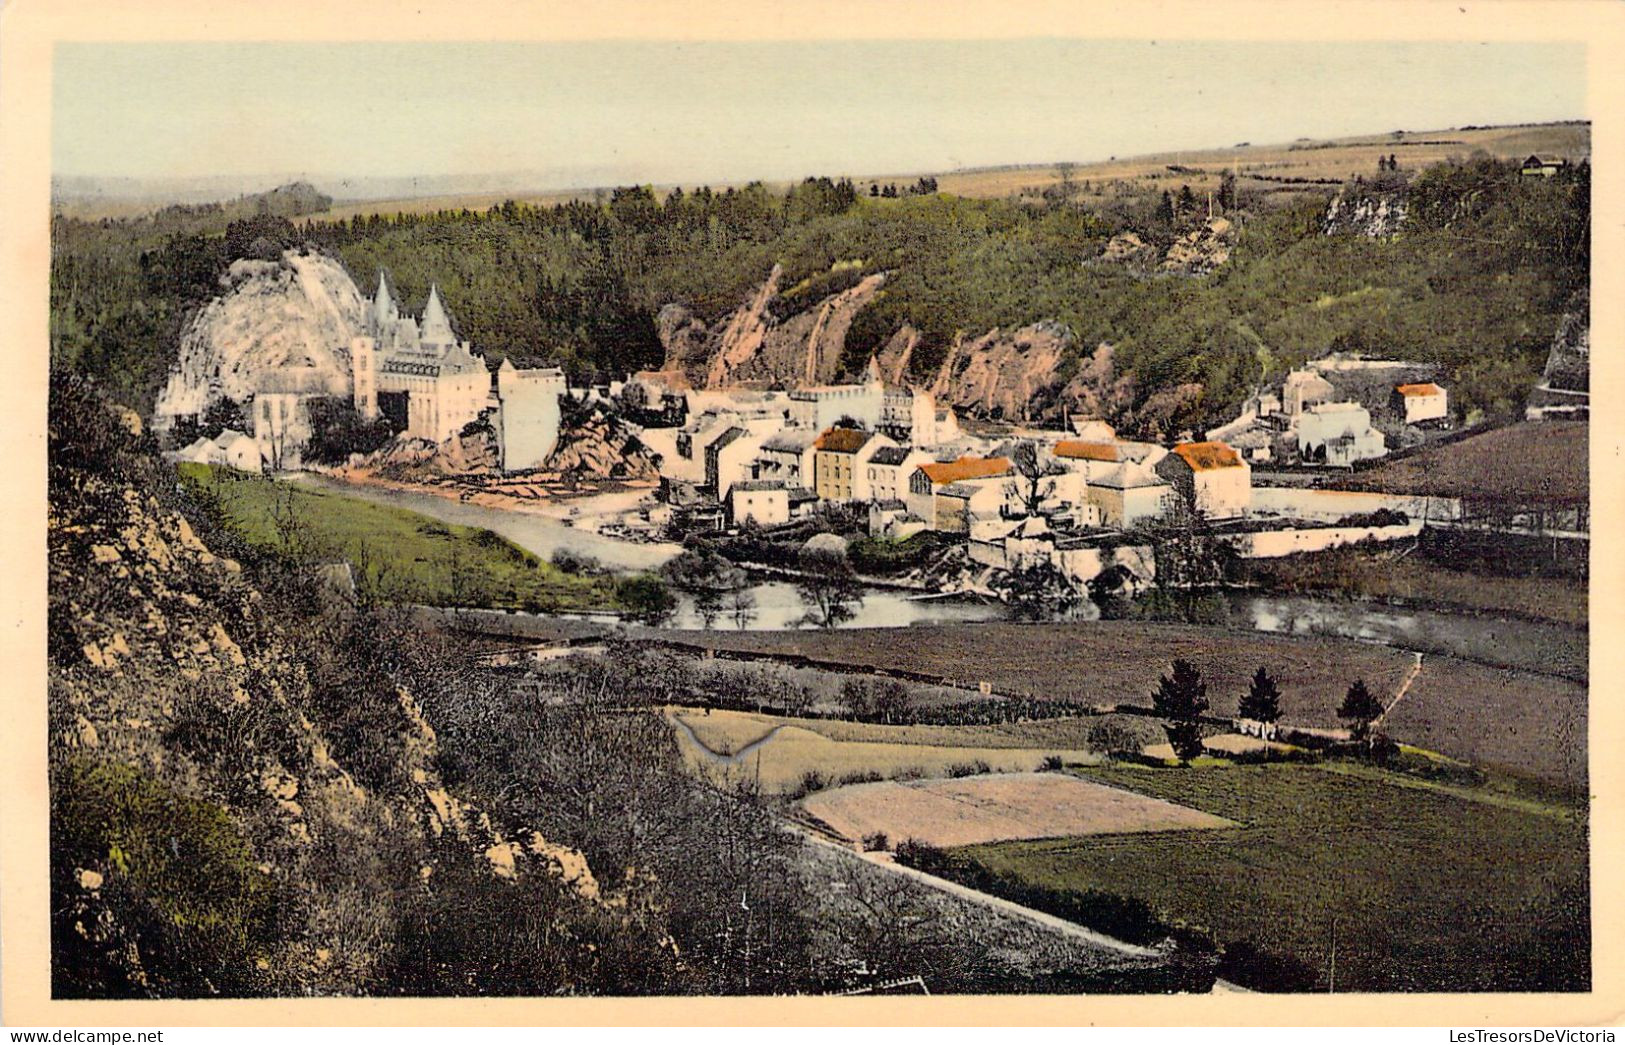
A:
<point x="572" y="114"/>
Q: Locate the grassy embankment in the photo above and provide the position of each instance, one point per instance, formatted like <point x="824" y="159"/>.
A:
<point x="395" y="553"/>
<point x="1430" y="890"/>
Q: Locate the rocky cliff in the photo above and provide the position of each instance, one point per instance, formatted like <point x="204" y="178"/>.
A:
<point x="754" y="345"/>
<point x="243" y="802"/>
<point x="1023" y="374"/>
<point x="299" y="311"/>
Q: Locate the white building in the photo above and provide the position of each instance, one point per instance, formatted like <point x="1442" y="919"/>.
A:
<point x="1423" y="402"/>
<point x="1128" y="494"/>
<point x="821" y="406"/>
<point x="1338" y="434"/>
<point x="1303" y="389"/>
<point x="731" y="459"/>
<point x="1211" y="478"/>
<point x="527" y="415"/>
<point x="888" y="471"/>
<point x="767" y="502"/>
<point x="788" y="456"/>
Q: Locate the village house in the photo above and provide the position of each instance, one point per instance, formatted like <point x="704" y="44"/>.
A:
<point x="280" y="415"/>
<point x="979" y="484"/>
<point x="1339" y="434"/>
<point x="1210" y="478"/>
<point x="911" y="415"/>
<point x="1129" y="494"/>
<point x="840" y="463"/>
<point x="230" y="448"/>
<point x="889" y="468"/>
<point x="787" y="455"/>
<point x="1543" y="166"/>
<point x="1422" y="402"/>
<point x="822" y="406"/>
<point x="1303" y="389"/>
<point x="767" y="502"/>
<point x="731" y="458"/>
<point x="1096" y="457"/>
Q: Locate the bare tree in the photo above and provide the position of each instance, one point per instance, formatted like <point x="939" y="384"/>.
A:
<point x="742" y="608"/>
<point x="829" y="588"/>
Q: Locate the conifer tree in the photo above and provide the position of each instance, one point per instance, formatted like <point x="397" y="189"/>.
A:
<point x="1262" y="702"/>
<point x="1181" y="699"/>
<point x="1363" y="707"/>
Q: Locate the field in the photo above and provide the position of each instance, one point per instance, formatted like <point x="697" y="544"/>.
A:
<point x="397" y="553"/>
<point x="1428" y="891"/>
<point x="978" y="809"/>
<point x="733" y="746"/>
<point x="1532" y="463"/>
<point x="1530" y="724"/>
<point x="1349" y="571"/>
<point x="1525" y="722"/>
<point x="1338" y="159"/>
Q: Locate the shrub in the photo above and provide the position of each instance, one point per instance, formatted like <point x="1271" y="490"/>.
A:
<point x="179" y="877"/>
<point x="1052" y="764"/>
<point x="875" y="843"/>
<point x="964" y="769"/>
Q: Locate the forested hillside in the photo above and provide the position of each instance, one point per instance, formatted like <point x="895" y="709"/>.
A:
<point x="1475" y="279"/>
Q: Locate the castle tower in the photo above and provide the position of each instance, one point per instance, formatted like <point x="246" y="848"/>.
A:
<point x="384" y="311"/>
<point x="364" y="371"/>
<point x="436" y="325"/>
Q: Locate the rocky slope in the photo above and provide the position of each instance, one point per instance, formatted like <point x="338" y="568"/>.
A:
<point x="298" y="311"/>
<point x="1364" y="211"/>
<point x="751" y="345"/>
<point x="243" y="803"/>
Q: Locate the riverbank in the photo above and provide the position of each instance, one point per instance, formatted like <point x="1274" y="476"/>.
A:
<point x="542" y="533"/>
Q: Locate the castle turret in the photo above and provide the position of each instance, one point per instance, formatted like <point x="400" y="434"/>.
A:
<point x="436" y="325"/>
<point x="384" y="311"/>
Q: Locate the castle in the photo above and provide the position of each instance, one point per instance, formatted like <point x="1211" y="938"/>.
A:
<point x="424" y="380"/>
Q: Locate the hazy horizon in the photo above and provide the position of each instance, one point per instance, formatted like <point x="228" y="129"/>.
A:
<point x="561" y="116"/>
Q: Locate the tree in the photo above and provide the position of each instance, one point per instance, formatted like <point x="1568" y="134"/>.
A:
<point x="829" y="588"/>
<point x="1187" y="200"/>
<point x="1165" y="209"/>
<point x="647" y="599"/>
<point x="1028" y="464"/>
<point x="1180" y="700"/>
<point x="742" y="608"/>
<point x="1363" y="707"/>
<point x="1227" y="192"/>
<point x="708" y="604"/>
<point x="1262" y="703"/>
<point x="1037" y="592"/>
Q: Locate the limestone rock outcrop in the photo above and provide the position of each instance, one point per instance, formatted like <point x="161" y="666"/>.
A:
<point x="299" y="311"/>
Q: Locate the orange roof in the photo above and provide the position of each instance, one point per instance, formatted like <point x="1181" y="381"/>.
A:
<point x="966" y="468"/>
<point x="1427" y="389"/>
<point x="1082" y="450"/>
<point x="842" y="440"/>
<point x="1204" y="457"/>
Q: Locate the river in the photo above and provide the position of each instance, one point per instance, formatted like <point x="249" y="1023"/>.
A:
<point x="1547" y="648"/>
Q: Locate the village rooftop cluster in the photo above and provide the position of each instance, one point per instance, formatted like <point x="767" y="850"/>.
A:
<point x="1077" y="499"/>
